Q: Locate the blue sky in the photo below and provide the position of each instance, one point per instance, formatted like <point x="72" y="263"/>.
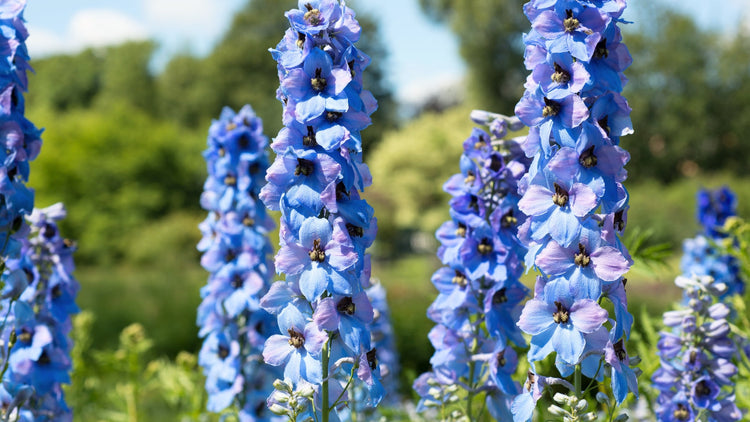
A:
<point x="423" y="55"/>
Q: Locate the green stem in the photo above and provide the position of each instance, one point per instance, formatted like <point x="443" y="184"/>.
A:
<point x="325" y="409"/>
<point x="470" y="396"/>
<point x="577" y="380"/>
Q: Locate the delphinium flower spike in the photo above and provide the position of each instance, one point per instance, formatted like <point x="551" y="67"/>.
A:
<point x="479" y="289"/>
<point x="236" y="251"/>
<point x="21" y="144"/>
<point x="701" y="256"/>
<point x="323" y="311"/>
<point x="39" y="361"/>
<point x="697" y="377"/>
<point x="573" y="196"/>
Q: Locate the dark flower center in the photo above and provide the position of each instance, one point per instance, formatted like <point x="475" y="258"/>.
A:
<point x="496" y="163"/>
<point x="318" y="82"/>
<point x="309" y="139"/>
<point x="508" y="220"/>
<point x="304" y="167"/>
<point x="332" y="116"/>
<point x="230" y="180"/>
<point x="481" y="143"/>
<point x="459" y="279"/>
<point x="560" y="197"/>
<point x="372" y="359"/>
<point x="681" y="413"/>
<point x="296" y="338"/>
<point x="44" y="359"/>
<point x="702" y="389"/>
<point x="346" y="306"/>
<point x="49" y="231"/>
<point x="485" y="247"/>
<point x="570" y="23"/>
<point x="531" y="379"/>
<point x="222" y="152"/>
<point x="230" y="256"/>
<point x="461" y="230"/>
<point x="300" y="40"/>
<point x="317" y="253"/>
<point x="248" y="221"/>
<point x="693" y="357"/>
<point x="500" y="358"/>
<point x="618" y="223"/>
<point x="562" y="315"/>
<point x="237" y="281"/>
<point x="582" y="259"/>
<point x="551" y="108"/>
<point x="561" y="75"/>
<point x="499" y="297"/>
<point x="69" y="243"/>
<point x="57" y="292"/>
<point x="355" y="231"/>
<point x="223" y="352"/>
<point x="601" y="52"/>
<point x="587" y="158"/>
<point x="604" y="123"/>
<point x="620" y="351"/>
<point x="312" y="16"/>
<point x="25" y="336"/>
<point x="470" y="177"/>
<point x="243" y="141"/>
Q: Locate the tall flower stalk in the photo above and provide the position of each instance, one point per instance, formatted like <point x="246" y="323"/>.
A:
<point x="699" y="355"/>
<point x="479" y="289"/>
<point x="574" y="199"/>
<point x="323" y="312"/>
<point x="39" y="361"/>
<point x="236" y="252"/>
<point x="700" y="254"/>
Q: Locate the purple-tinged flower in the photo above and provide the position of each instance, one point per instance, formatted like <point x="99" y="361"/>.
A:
<point x="349" y="315"/>
<point x="298" y="348"/>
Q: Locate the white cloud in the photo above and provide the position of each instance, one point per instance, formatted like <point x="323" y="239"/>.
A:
<point x="100" y="27"/>
<point x="87" y="28"/>
<point x="184" y="13"/>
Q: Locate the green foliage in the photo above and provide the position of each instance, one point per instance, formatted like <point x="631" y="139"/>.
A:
<point x="122" y="385"/>
<point x="116" y="169"/>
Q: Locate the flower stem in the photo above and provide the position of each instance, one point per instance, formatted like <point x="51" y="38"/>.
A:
<point x="325" y="408"/>
<point x="472" y="370"/>
<point x="577" y="380"/>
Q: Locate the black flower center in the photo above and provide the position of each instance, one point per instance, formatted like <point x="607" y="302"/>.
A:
<point x="248" y="221"/>
<point x="296" y="338"/>
<point x="499" y="297"/>
<point x="601" y="52"/>
<point x="582" y="259"/>
<point x="620" y="352"/>
<point x="681" y="413"/>
<point x="300" y="40"/>
<point x="500" y="358"/>
<point x="461" y="230"/>
<point x="44" y="359"/>
<point x="551" y="108"/>
<point x="237" y="281"/>
<point x="485" y="247"/>
<point x="309" y="139"/>
<point x="561" y="315"/>
<point x="470" y="177"/>
<point x="317" y="253"/>
<point x="570" y="23"/>
<point x="587" y="158"/>
<point x="560" y="197"/>
<point x="561" y="75"/>
<point x="459" y="279"/>
<point x="332" y="116"/>
<point x="531" y="378"/>
<point x="355" y="231"/>
<point x="25" y="336"/>
<point x="304" y="167"/>
<point x="508" y="220"/>
<point x="318" y="82"/>
<point x="619" y="223"/>
<point x="481" y="143"/>
<point x="57" y="292"/>
<point x="604" y="124"/>
<point x="346" y="306"/>
<point x="312" y="16"/>
<point x="49" y="231"/>
<point x="372" y="359"/>
<point x="702" y="389"/>
<point x="223" y="352"/>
